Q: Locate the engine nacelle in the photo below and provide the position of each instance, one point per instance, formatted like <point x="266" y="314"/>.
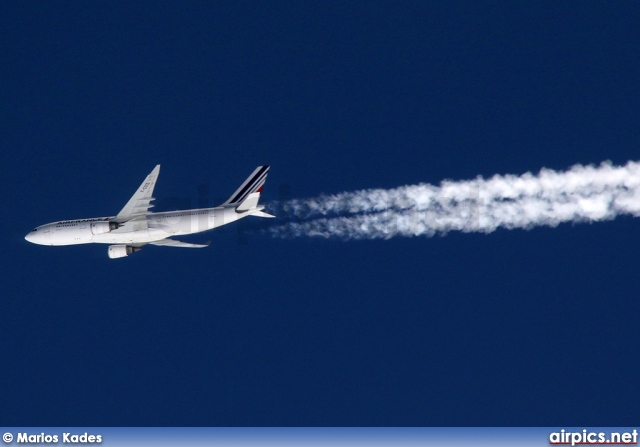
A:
<point x="120" y="251"/>
<point x="103" y="227"/>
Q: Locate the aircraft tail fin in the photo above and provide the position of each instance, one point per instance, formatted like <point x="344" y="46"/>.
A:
<point x="248" y="194"/>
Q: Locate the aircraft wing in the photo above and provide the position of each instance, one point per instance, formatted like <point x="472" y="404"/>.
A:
<point x="136" y="223"/>
<point x="139" y="204"/>
<point x="173" y="243"/>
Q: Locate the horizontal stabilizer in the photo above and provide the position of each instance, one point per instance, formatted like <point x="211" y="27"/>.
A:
<point x="174" y="243"/>
<point x="261" y="214"/>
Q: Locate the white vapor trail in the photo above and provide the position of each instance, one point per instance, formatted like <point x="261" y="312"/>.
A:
<point x="581" y="194"/>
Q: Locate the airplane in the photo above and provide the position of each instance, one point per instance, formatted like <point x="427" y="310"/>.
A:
<point x="135" y="226"/>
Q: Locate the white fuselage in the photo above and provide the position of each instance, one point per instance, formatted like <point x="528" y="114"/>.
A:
<point x="159" y="226"/>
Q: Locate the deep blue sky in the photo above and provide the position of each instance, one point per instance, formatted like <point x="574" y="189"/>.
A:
<point x="513" y="328"/>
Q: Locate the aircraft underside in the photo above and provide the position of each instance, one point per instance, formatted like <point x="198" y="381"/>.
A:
<point x="135" y="226"/>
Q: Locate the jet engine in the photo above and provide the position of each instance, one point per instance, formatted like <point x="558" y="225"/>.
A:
<point x="103" y="227"/>
<point x="120" y="251"/>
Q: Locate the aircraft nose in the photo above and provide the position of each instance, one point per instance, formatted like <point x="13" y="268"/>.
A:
<point x="34" y="237"/>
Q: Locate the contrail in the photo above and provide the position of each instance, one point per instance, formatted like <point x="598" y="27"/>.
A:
<point x="580" y="194"/>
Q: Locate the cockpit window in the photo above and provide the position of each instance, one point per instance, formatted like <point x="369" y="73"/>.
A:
<point x="35" y="229"/>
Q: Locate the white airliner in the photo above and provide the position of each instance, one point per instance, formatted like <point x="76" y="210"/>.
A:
<point x="135" y="225"/>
